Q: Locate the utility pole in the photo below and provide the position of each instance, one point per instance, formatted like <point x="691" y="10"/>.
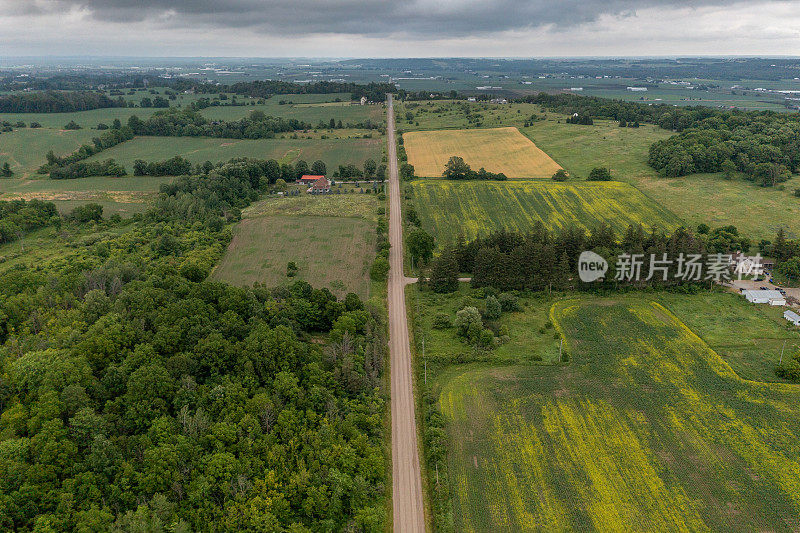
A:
<point x="784" y="346"/>
<point x="560" y="347"/>
<point x="424" y="361"/>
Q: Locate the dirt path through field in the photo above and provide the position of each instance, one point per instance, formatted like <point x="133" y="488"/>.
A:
<point x="409" y="511"/>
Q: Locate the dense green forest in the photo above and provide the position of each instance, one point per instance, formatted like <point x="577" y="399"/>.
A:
<point x="56" y="102"/>
<point x="136" y="396"/>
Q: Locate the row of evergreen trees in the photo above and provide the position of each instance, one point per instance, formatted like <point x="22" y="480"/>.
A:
<point x="543" y="259"/>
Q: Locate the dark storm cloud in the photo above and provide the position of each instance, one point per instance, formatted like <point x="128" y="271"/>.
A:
<point x="432" y="18"/>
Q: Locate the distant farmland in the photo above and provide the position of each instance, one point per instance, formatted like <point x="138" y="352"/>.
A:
<point x="478" y="208"/>
<point x="333" y="152"/>
<point x="503" y="150"/>
<point x="647" y="429"/>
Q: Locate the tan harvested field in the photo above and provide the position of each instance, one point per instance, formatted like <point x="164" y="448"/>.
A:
<point x="333" y="252"/>
<point x="503" y="150"/>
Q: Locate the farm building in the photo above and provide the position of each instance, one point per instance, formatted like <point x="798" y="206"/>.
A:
<point x="308" y="179"/>
<point x="321" y="186"/>
<point x="770" y="297"/>
<point x="792" y="317"/>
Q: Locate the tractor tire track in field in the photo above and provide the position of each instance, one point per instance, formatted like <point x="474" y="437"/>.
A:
<point x="408" y="508"/>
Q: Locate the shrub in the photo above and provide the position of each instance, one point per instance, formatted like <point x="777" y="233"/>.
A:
<point x="493" y="308"/>
<point x="469" y="323"/>
<point x="560" y="175"/>
<point x="380" y="269"/>
<point x="508" y="302"/>
<point x="600" y="174"/>
<point x="442" y="321"/>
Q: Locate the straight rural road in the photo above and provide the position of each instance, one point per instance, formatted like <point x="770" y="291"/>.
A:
<point x="408" y="509"/>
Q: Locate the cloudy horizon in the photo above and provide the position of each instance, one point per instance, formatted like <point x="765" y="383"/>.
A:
<point x="402" y="28"/>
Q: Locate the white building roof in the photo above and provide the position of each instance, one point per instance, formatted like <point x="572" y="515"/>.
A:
<point x="791" y="315"/>
<point x="768" y="294"/>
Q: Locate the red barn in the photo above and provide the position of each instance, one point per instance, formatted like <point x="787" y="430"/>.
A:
<point x="309" y="179"/>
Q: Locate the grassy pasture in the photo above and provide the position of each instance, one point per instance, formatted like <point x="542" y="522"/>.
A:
<point x="87" y="119"/>
<point x="117" y="195"/>
<point x="503" y="150"/>
<point x="335" y="250"/>
<point x="311" y="108"/>
<point x="647" y="429"/>
<point x="478" y="208"/>
<point x="24" y="149"/>
<point x="749" y="338"/>
<point x="198" y="149"/>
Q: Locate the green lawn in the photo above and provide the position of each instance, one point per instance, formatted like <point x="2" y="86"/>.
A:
<point x="478" y="208"/>
<point x="333" y="152"/>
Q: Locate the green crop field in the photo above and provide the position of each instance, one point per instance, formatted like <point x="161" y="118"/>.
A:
<point x="478" y="208"/>
<point x="333" y="152"/>
<point x="334" y="251"/>
<point x="646" y="429"/>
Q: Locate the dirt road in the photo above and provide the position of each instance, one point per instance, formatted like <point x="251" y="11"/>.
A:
<point x="408" y="512"/>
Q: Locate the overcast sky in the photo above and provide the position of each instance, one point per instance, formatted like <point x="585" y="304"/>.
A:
<point x="398" y="28"/>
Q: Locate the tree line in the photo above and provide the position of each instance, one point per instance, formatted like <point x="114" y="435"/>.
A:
<point x="374" y="92"/>
<point x="543" y="259"/>
<point x="137" y="395"/>
<point x="458" y="169"/>
<point x="57" y="102"/>
<point x="176" y="122"/>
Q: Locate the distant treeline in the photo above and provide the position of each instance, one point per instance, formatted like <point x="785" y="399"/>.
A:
<point x="187" y="123"/>
<point x="764" y="145"/>
<point x="374" y="92"/>
<point x="542" y="258"/>
<point x="270" y="169"/>
<point x="57" y="102"/>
